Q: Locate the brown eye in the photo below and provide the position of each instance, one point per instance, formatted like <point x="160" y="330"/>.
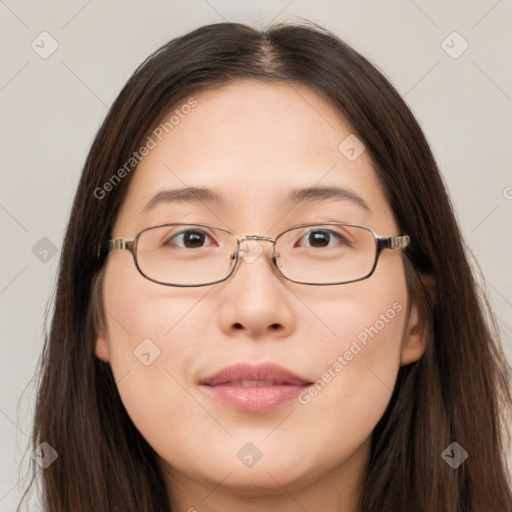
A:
<point x="318" y="238"/>
<point x="189" y="239"/>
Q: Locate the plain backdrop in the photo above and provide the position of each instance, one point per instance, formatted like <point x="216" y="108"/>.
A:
<point x="459" y="86"/>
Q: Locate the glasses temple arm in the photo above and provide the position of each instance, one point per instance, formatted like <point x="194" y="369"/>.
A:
<point x="393" y="242"/>
<point x="114" y="245"/>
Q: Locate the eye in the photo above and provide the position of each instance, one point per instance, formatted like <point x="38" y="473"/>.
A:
<point x="318" y="238"/>
<point x="188" y="239"/>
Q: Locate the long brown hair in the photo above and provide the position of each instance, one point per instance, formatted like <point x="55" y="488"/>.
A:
<point x="459" y="391"/>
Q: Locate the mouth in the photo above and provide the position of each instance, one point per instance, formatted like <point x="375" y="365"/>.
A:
<point x="254" y="383"/>
<point x="250" y="388"/>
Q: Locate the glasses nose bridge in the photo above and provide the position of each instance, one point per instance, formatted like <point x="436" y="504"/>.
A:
<point x="259" y="238"/>
<point x="255" y="237"/>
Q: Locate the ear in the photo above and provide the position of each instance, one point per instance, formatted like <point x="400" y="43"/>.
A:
<point x="416" y="330"/>
<point x="101" y="350"/>
<point x="414" y="341"/>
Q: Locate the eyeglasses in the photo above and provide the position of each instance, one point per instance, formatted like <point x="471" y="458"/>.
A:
<point x="201" y="254"/>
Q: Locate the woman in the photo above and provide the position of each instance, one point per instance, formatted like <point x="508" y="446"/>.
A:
<point x="296" y="327"/>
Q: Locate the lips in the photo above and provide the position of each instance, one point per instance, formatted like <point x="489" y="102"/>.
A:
<point x="246" y="375"/>
<point x="254" y="389"/>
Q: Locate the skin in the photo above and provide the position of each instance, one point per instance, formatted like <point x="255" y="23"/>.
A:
<point x="254" y="143"/>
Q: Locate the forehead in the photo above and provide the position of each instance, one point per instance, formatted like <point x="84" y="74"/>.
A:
<point x="252" y="144"/>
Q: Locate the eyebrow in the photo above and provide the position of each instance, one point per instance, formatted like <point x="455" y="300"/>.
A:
<point x="324" y="193"/>
<point x="199" y="194"/>
<point x="183" y="195"/>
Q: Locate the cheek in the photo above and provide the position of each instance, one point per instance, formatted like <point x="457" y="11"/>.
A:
<point x="360" y="354"/>
<point x="151" y="342"/>
<point x="137" y="309"/>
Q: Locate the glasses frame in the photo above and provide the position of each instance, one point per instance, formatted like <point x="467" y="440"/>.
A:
<point x="391" y="242"/>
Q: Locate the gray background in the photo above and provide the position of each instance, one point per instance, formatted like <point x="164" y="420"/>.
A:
<point x="51" y="108"/>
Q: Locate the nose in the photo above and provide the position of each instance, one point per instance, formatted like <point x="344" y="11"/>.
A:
<point x="256" y="298"/>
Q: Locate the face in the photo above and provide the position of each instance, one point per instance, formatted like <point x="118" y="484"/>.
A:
<point x="252" y="144"/>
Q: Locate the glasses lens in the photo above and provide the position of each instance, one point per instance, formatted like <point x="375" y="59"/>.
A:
<point x="326" y="253"/>
<point x="185" y="254"/>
